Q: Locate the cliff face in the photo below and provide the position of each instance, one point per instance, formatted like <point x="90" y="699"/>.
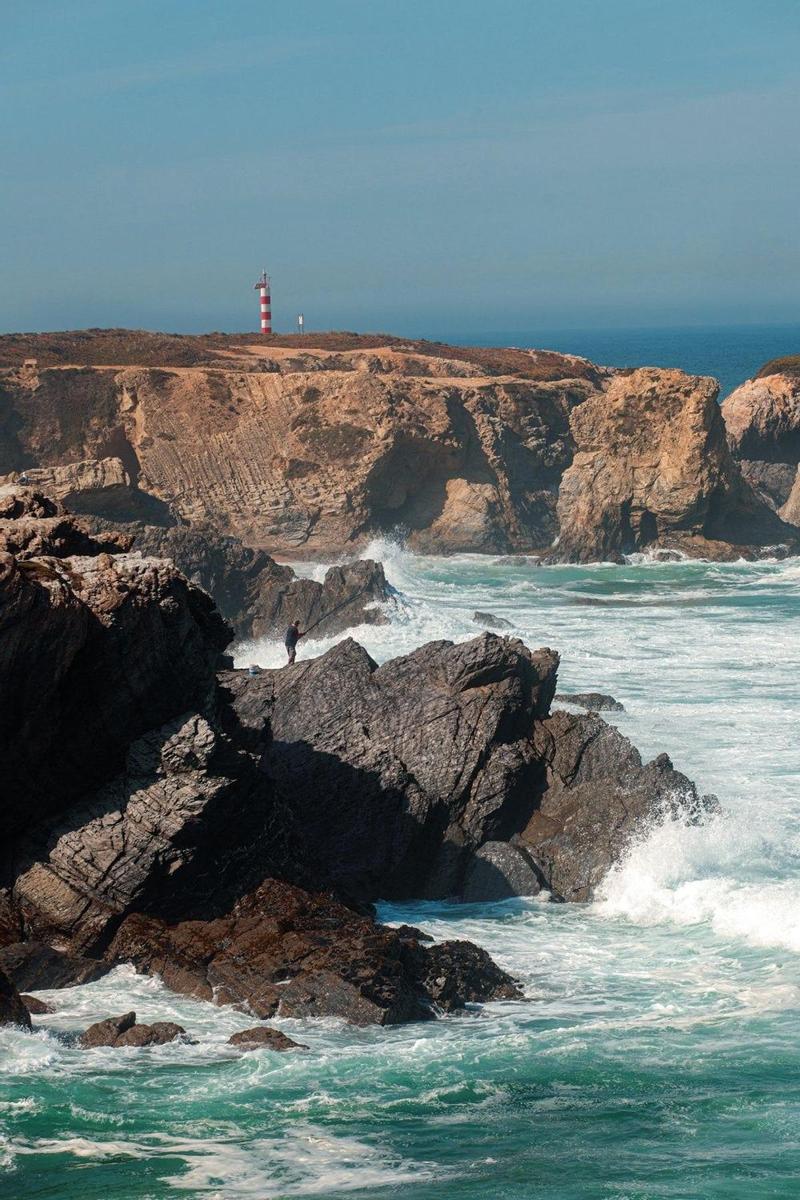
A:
<point x="317" y="450"/>
<point x="312" y="449"/>
<point x="763" y="422"/>
<point x="652" y="469"/>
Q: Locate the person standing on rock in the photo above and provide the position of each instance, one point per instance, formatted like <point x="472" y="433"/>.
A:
<point x="293" y="636"/>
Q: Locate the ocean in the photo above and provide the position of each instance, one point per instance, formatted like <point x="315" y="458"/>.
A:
<point x="656" y="1052"/>
<point x="731" y="353"/>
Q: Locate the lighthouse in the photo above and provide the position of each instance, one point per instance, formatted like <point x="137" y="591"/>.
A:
<point x="262" y="287"/>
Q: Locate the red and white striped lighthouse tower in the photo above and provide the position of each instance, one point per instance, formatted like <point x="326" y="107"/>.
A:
<point x="262" y="287"/>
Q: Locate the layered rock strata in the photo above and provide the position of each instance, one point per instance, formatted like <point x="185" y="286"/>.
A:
<point x="652" y="468"/>
<point x="315" y="446"/>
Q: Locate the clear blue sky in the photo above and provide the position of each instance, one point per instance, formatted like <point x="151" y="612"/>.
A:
<point x="408" y="165"/>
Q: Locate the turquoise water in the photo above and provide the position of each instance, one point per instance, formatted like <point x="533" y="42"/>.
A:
<point x="656" y="1053"/>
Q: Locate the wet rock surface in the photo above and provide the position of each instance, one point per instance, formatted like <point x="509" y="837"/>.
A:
<point x="599" y="797"/>
<point x="262" y="1036"/>
<point x="12" y="1006"/>
<point x="596" y="701"/>
<point x="286" y="951"/>
<point x="36" y="1007"/>
<point x="124" y="1031"/>
<point x="499" y="870"/>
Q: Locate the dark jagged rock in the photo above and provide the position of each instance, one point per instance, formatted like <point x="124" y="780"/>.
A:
<point x="284" y="950"/>
<point x="36" y="1007"/>
<point x="10" y="920"/>
<point x="498" y="870"/>
<point x="34" y="967"/>
<point x="256" y="595"/>
<point x="596" y="701"/>
<point x="599" y="797"/>
<point x="12" y="1007"/>
<point x="396" y="773"/>
<point x="491" y="621"/>
<point x="106" y="1033"/>
<point x="94" y="651"/>
<point x="124" y="1031"/>
<point x="157" y="1034"/>
<point x="440" y="773"/>
<point x="262" y="1035"/>
<point x="455" y="974"/>
<point x="181" y="830"/>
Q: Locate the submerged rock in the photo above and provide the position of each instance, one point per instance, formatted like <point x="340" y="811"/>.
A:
<point x="262" y="1035"/>
<point x="124" y="1031"/>
<point x="491" y="621"/>
<point x="596" y="701"/>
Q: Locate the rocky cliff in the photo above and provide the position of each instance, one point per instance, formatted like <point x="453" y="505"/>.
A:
<point x="763" y="423"/>
<point x="229" y="830"/>
<point x="312" y="446"/>
<point x="652" y="469"/>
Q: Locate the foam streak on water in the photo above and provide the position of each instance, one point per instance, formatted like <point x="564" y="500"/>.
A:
<point x="656" y="1054"/>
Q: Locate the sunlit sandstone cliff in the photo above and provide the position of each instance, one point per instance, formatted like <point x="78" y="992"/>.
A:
<point x="314" y="446"/>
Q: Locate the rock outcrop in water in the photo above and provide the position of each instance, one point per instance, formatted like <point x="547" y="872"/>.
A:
<point x="763" y="422"/>
<point x="125" y="1031"/>
<point x="284" y="950"/>
<point x="652" y="469"/>
<point x="397" y="773"/>
<point x="598" y="798"/>
<point x="229" y="830"/>
<point x="312" y="447"/>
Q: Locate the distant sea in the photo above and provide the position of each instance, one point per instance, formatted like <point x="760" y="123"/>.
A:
<point x="731" y="353"/>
